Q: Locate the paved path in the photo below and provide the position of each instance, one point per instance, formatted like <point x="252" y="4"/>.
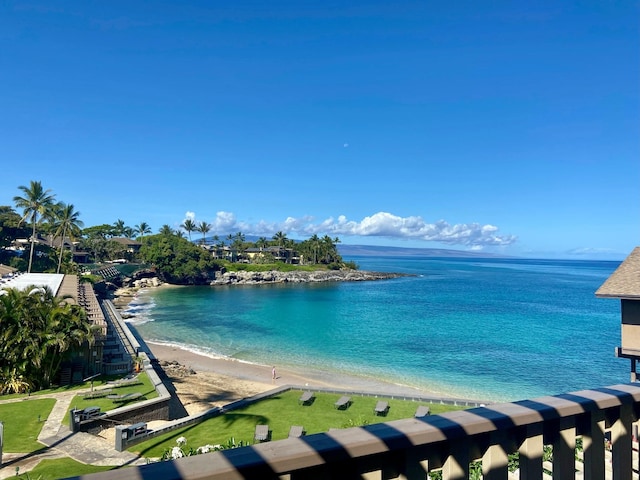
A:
<point x="60" y="442"/>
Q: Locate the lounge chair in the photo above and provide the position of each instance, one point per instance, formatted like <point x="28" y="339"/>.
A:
<point x="296" y="431"/>
<point x="126" y="397"/>
<point x="343" y="402"/>
<point x="306" y="398"/>
<point x="422" y="411"/>
<point x="262" y="433"/>
<point x="98" y="393"/>
<point x="381" y="408"/>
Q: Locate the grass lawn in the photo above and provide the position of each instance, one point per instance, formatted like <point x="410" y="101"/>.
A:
<point x="145" y="388"/>
<point x="21" y="426"/>
<point x="66" y="388"/>
<point x="280" y="413"/>
<point x="60" y="468"/>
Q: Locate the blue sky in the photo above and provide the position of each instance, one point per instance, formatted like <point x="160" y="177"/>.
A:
<point x="503" y="127"/>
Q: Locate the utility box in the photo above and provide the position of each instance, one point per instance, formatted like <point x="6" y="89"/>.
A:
<point x="124" y="434"/>
<point x="76" y="417"/>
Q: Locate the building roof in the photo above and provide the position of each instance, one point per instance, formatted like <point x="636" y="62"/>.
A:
<point x="24" y="280"/>
<point x="624" y="282"/>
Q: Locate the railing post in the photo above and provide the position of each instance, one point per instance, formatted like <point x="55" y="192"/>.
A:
<point x="456" y="466"/>
<point x="564" y="450"/>
<point x="415" y="467"/>
<point x="621" y="444"/>
<point x="531" y="450"/>
<point x="593" y="447"/>
<point x="495" y="461"/>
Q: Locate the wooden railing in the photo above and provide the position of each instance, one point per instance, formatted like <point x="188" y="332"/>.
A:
<point x="544" y="432"/>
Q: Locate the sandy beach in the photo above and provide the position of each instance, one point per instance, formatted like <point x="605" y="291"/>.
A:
<point x="202" y="382"/>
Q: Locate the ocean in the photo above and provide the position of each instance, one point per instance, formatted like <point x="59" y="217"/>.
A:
<point x="487" y="329"/>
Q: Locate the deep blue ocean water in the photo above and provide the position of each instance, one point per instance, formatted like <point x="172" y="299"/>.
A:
<point x="489" y="329"/>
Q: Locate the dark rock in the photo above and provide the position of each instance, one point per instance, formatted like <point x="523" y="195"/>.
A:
<point x="250" y="278"/>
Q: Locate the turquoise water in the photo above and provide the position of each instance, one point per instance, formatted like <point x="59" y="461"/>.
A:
<point x="495" y="329"/>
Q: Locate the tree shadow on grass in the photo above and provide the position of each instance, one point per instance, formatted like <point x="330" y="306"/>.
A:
<point x="230" y="418"/>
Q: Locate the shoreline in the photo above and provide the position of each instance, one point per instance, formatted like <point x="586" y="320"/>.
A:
<point x="260" y="375"/>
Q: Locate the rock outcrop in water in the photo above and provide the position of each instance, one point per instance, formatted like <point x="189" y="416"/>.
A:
<point x="274" y="276"/>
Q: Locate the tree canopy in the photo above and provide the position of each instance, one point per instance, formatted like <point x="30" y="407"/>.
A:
<point x="177" y="260"/>
<point x="38" y="331"/>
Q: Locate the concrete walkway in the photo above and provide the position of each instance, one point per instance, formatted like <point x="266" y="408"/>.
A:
<point x="59" y="442"/>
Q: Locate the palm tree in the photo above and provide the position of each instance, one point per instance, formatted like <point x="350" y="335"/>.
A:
<point x="67" y="221"/>
<point x="189" y="226"/>
<point x="280" y="237"/>
<point x="36" y="201"/>
<point x="204" y="228"/>
<point x="262" y="242"/>
<point x="119" y="228"/>
<point x="143" y="229"/>
<point x="315" y="243"/>
<point x="39" y="331"/>
<point x="166" y="230"/>
<point x="238" y="239"/>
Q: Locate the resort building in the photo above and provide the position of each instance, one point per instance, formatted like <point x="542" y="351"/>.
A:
<point x="131" y="246"/>
<point x="78" y="256"/>
<point x="624" y="284"/>
<point x="278" y="254"/>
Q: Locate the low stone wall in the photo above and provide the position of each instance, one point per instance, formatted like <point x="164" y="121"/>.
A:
<point x="274" y="276"/>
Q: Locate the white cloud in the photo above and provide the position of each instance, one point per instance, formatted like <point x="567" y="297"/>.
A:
<point x="382" y="224"/>
<point x="224" y="222"/>
<point x="190" y="216"/>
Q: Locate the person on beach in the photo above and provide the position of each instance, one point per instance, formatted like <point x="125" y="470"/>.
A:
<point x="273" y="374"/>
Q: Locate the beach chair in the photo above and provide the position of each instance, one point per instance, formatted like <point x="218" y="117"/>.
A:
<point x="343" y="403"/>
<point x="306" y="398"/>
<point x="422" y="411"/>
<point x="262" y="433"/>
<point x="381" y="408"/>
<point x="296" y="431"/>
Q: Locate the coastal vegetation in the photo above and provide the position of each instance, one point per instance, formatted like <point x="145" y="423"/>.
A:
<point x="177" y="260"/>
<point x="38" y="331"/>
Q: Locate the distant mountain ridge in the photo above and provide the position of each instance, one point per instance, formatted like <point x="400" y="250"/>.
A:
<point x="377" y="250"/>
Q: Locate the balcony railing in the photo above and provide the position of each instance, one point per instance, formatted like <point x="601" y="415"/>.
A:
<point x="603" y="419"/>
